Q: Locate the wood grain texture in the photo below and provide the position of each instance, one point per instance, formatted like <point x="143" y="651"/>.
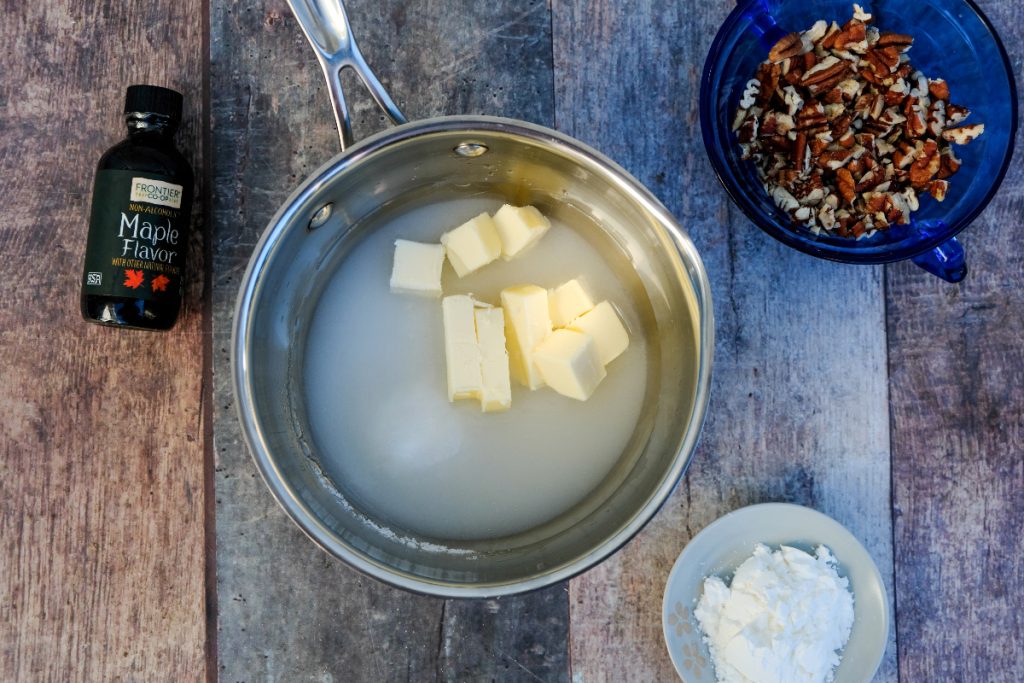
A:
<point x="956" y="366"/>
<point x="101" y="472"/>
<point x="287" y="611"/>
<point x="799" y="398"/>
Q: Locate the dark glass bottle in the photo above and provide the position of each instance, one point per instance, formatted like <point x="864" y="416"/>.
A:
<point x="134" y="273"/>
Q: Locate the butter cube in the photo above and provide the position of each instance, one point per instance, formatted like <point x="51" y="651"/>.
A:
<point x="527" y="324"/>
<point x="604" y="325"/>
<point x="417" y="268"/>
<point x="461" y="351"/>
<point x="495" y="388"/>
<point x="567" y="302"/>
<point x="570" y="364"/>
<point x="519" y="228"/>
<point x="472" y="245"/>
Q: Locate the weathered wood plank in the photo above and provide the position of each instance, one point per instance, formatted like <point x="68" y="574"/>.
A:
<point x="286" y="610"/>
<point x="101" y="472"/>
<point x="956" y="366"/>
<point x="799" y="399"/>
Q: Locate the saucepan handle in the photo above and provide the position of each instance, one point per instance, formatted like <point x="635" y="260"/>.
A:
<point x="325" y="24"/>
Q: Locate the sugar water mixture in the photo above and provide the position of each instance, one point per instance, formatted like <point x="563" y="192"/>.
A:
<point x="375" y="390"/>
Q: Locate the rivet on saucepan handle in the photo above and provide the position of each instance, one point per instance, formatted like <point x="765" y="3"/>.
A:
<point x="326" y="27"/>
<point x="321" y="216"/>
<point x="470" y="149"/>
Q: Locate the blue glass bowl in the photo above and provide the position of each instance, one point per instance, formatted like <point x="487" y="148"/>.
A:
<point x="952" y="40"/>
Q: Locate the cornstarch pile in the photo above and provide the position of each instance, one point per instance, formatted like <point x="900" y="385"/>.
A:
<point x="783" y="618"/>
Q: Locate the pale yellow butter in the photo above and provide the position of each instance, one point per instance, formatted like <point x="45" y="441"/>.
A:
<point x="605" y="326"/>
<point x="472" y="245"/>
<point x="495" y="387"/>
<point x="519" y="227"/>
<point x="527" y="324"/>
<point x="567" y="302"/>
<point x="461" y="350"/>
<point x="417" y="268"/>
<point x="570" y="364"/>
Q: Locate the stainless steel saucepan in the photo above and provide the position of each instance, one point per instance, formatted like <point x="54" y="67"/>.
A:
<point x="428" y="161"/>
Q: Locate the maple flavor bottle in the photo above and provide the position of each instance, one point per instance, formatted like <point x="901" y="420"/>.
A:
<point x="134" y="273"/>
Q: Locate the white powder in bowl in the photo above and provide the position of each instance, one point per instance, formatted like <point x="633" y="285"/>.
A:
<point x="782" y="619"/>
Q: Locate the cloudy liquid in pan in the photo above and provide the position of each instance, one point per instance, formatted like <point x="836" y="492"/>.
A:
<point x="375" y="389"/>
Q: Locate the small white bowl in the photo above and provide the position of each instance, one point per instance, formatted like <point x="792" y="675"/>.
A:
<point x="725" y="543"/>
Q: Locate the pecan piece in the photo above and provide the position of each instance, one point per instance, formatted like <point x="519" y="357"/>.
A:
<point x="800" y="151"/>
<point x="883" y="62"/>
<point x="811" y="118"/>
<point x="938" y="189"/>
<point x="747" y="131"/>
<point x="847" y="188"/>
<point x="833" y="96"/>
<point x="897" y="40"/>
<point x="818" y="146"/>
<point x="939" y="89"/>
<point x="768" y="76"/>
<point x="851" y="37"/>
<point x="788" y="46"/>
<point x="955" y="113"/>
<point x="964" y="134"/>
<point x="925" y="166"/>
<point x="950" y="164"/>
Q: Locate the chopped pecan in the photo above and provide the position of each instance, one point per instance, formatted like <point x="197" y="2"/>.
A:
<point x="833" y="96"/>
<point x="939" y="89"/>
<point x="964" y="134"/>
<point x="800" y="150"/>
<point x="768" y="76"/>
<point x="859" y="14"/>
<point x="871" y="77"/>
<point x="883" y="62"/>
<point x="818" y="146"/>
<point x="747" y="131"/>
<point x="871" y="179"/>
<point x="847" y="188"/>
<point x="792" y="99"/>
<point x="851" y="37"/>
<point x="925" y="166"/>
<point x="814" y="34"/>
<point x="750" y="93"/>
<point x="950" y="164"/>
<point x="811" y="118"/>
<point x="897" y="40"/>
<point x="788" y="46"/>
<point x="956" y="114"/>
<point x="938" y="189"/>
<point x="937" y="117"/>
<point x="896" y="93"/>
<point x="841" y="125"/>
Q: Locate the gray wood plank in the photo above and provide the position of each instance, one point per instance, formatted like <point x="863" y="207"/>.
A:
<point x="799" y="399"/>
<point x="956" y="365"/>
<point x="286" y="610"/>
<point x="101" y="433"/>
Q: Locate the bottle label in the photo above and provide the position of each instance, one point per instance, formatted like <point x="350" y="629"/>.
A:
<point x="156" y="192"/>
<point x="138" y="236"/>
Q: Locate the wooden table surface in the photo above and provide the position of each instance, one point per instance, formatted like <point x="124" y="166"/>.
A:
<point x="138" y="542"/>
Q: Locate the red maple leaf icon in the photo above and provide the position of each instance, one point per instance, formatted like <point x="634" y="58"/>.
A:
<point x="159" y="283"/>
<point x="133" y="279"/>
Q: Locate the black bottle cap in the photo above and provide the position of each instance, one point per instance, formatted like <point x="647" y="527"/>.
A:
<point x="153" y="99"/>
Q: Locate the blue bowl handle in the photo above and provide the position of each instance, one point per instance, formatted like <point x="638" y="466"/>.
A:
<point x="763" y="24"/>
<point x="945" y="261"/>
